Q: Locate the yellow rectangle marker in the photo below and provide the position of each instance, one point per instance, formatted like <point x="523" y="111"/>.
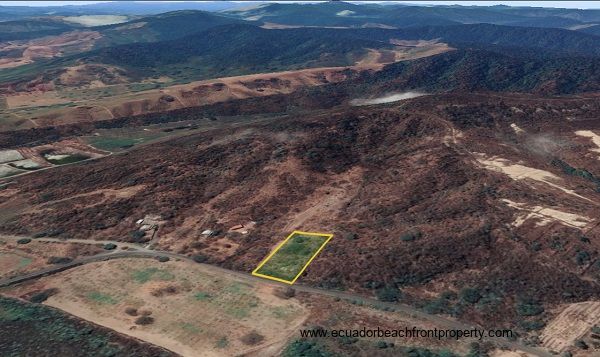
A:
<point x="289" y="260"/>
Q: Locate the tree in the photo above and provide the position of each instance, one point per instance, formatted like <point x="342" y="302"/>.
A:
<point x="144" y="320"/>
<point x="110" y="246"/>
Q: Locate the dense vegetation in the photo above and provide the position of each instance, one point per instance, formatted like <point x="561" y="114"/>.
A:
<point x="28" y="29"/>
<point x="167" y="26"/>
<point x="35" y="330"/>
<point x="477" y="70"/>
<point x="240" y="48"/>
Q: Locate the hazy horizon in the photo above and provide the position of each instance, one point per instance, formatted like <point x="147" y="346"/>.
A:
<point x="550" y="4"/>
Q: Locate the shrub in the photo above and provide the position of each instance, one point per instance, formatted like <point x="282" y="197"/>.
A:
<point x="285" y="293"/>
<point x="388" y="293"/>
<point x="200" y="258"/>
<point x="581" y="344"/>
<point x="24" y="241"/>
<point x="59" y="260"/>
<point x="252" y="338"/>
<point x="370" y="284"/>
<point x="305" y="348"/>
<point x="381" y="344"/>
<point x="346" y="340"/>
<point x="131" y="311"/>
<point x="532" y="325"/>
<point x="530" y="308"/>
<point x="42" y="295"/>
<point x="137" y="235"/>
<point x="55" y="232"/>
<point x="582" y="257"/>
<point x="144" y="320"/>
<point x="110" y="246"/>
<point x="470" y="295"/>
<point x="162" y="258"/>
<point x="410" y="236"/>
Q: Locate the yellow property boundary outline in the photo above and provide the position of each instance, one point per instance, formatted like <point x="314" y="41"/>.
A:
<point x="255" y="271"/>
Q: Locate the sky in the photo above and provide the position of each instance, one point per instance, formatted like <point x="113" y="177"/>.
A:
<point x="562" y="4"/>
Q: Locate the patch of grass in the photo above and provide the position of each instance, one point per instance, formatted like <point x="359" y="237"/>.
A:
<point x="236" y="288"/>
<point x="242" y="308"/>
<point x="23" y="263"/>
<point x="68" y="160"/>
<point x="148" y="274"/>
<point x="292" y="256"/>
<point x="101" y="298"/>
<point x="280" y="312"/>
<point x="190" y="328"/>
<point x="201" y="296"/>
<point x="112" y="143"/>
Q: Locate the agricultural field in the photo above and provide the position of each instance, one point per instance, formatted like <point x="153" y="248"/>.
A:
<point x="120" y="139"/>
<point x="180" y="306"/>
<point x="290" y="258"/>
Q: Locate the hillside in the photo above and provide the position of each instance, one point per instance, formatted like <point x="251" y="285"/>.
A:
<point x="480" y="70"/>
<point x="238" y="49"/>
<point x="33" y="28"/>
<point x="541" y="39"/>
<point x="431" y="179"/>
<point x="166" y="26"/>
<point x="228" y="38"/>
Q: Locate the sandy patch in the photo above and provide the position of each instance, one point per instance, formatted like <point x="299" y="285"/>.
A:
<point x="386" y="99"/>
<point x="27" y="164"/>
<point x="6" y="171"/>
<point x="96" y="20"/>
<point x="10" y="155"/>
<point x="522" y="172"/>
<point x="590" y="134"/>
<point x="544" y="215"/>
<point x="501" y="353"/>
<point x="48" y="46"/>
<point x="571" y="324"/>
<point x="516" y="129"/>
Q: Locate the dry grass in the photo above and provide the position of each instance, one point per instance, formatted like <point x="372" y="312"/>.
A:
<point x="193" y="309"/>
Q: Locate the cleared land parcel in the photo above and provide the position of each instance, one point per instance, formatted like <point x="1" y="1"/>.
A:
<point x="289" y="260"/>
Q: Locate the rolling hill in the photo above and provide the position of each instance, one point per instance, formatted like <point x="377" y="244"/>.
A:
<point x="238" y="49"/>
<point x="166" y="26"/>
<point x="481" y="70"/>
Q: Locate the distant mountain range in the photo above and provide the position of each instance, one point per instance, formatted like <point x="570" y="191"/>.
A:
<point x="188" y="45"/>
<point x="372" y="15"/>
